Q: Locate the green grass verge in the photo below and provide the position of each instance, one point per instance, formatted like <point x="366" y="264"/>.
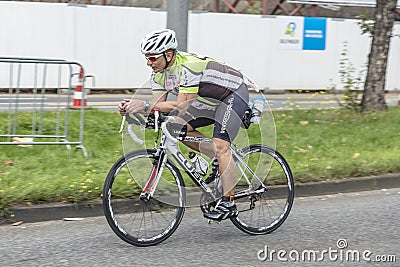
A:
<point x="331" y="144"/>
<point x="318" y="144"/>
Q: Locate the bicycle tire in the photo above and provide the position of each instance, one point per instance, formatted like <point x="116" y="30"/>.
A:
<point x="143" y="222"/>
<point x="272" y="207"/>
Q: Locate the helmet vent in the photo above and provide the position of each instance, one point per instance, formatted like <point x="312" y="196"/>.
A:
<point x="157" y="42"/>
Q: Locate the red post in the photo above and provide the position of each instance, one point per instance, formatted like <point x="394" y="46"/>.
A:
<point x="79" y="96"/>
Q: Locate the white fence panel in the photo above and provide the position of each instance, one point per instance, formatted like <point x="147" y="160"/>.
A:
<point x="106" y="41"/>
<point x="393" y="71"/>
<point x="40" y="30"/>
<point x="242" y="42"/>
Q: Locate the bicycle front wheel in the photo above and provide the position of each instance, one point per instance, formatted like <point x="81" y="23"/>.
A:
<point x="262" y="213"/>
<point x="137" y="220"/>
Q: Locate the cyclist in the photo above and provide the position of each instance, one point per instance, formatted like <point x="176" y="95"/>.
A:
<point x="208" y="92"/>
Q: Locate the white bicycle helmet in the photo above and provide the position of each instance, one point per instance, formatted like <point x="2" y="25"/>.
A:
<point x="159" y="41"/>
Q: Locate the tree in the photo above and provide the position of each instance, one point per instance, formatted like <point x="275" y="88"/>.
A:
<point x="374" y="91"/>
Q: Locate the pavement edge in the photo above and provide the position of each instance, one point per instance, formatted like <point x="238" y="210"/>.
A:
<point x="39" y="213"/>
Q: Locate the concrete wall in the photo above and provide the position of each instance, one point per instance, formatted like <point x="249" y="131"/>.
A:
<point x="106" y="41"/>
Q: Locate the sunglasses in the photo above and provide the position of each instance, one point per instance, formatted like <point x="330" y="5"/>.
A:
<point x="153" y="58"/>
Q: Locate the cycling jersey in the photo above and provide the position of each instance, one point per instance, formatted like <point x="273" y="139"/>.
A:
<point x="222" y="95"/>
<point x="227" y="117"/>
<point x="211" y="80"/>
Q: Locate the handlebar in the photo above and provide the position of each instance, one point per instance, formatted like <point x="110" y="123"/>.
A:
<point x="138" y="121"/>
<point x="160" y="119"/>
<point x="131" y="121"/>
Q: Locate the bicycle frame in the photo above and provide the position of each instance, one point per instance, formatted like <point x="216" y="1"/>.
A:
<point x="168" y="144"/>
<point x="146" y="219"/>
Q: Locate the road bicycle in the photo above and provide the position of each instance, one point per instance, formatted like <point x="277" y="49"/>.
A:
<point x="144" y="194"/>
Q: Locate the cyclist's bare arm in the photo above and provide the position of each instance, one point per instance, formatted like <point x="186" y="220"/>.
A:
<point x="160" y="101"/>
<point x="157" y="101"/>
<point x="133" y="106"/>
<point x="182" y="103"/>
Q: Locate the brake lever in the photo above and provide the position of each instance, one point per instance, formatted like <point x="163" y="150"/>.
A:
<point x="131" y="120"/>
<point x="140" y="119"/>
<point x="156" y="116"/>
<point x="121" y="128"/>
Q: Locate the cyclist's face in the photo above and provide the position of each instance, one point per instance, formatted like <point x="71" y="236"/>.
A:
<point x="157" y="61"/>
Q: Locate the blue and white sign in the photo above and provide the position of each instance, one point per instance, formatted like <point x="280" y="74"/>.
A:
<point x="302" y="33"/>
<point x="314" y="35"/>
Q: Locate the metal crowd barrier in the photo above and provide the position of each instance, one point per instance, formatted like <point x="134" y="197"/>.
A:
<point x="36" y="97"/>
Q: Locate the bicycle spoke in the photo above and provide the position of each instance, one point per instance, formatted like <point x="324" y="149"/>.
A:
<point x="142" y="222"/>
<point x="263" y="212"/>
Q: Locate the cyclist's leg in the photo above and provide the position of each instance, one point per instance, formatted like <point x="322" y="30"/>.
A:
<point x="228" y="119"/>
<point x="226" y="166"/>
<point x="205" y="148"/>
<point x="225" y="207"/>
<point x="202" y="118"/>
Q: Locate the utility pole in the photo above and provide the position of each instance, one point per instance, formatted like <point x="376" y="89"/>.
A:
<point x="177" y="20"/>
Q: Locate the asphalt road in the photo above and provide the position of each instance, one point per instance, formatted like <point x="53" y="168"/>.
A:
<point x="368" y="222"/>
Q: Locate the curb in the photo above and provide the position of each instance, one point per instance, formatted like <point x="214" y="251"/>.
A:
<point x="348" y="185"/>
<point x="50" y="212"/>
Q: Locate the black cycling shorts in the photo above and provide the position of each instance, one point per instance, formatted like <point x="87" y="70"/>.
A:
<point x="227" y="117"/>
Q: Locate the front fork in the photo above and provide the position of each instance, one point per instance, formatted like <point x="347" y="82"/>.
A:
<point x="154" y="176"/>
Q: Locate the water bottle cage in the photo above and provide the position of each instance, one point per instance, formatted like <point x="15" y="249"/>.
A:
<point x="199" y="169"/>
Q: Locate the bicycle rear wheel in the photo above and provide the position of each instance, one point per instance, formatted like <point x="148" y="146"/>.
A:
<point x="138" y="221"/>
<point x="262" y="213"/>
